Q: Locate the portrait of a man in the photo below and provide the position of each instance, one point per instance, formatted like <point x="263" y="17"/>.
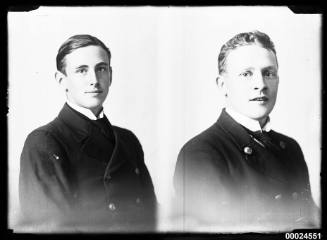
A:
<point x="79" y="171"/>
<point x="240" y="172"/>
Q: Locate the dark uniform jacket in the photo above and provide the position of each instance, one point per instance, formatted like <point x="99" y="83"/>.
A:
<point x="77" y="174"/>
<point x="224" y="177"/>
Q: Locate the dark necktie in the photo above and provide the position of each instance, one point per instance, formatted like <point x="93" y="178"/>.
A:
<point x="264" y="138"/>
<point x="101" y="122"/>
<point x="105" y="127"/>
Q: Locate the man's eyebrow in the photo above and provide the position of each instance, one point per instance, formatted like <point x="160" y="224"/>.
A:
<point x="81" y="66"/>
<point x="101" y="64"/>
<point x="270" y="68"/>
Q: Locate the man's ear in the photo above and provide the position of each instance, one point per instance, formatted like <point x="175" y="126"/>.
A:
<point x="220" y="80"/>
<point x="61" y="79"/>
<point x="110" y="75"/>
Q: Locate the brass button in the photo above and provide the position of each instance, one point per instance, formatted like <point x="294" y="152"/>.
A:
<point x="282" y="144"/>
<point x="112" y="206"/>
<point x="55" y="156"/>
<point x="137" y="171"/>
<point x="248" y="150"/>
<point x="278" y="196"/>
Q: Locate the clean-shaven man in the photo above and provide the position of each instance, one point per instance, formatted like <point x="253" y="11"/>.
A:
<point x="79" y="172"/>
<point x="239" y="173"/>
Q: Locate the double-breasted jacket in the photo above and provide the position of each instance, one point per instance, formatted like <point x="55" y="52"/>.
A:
<point x="75" y="173"/>
<point x="225" y="177"/>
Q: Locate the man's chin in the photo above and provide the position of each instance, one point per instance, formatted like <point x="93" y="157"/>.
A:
<point x="258" y="116"/>
<point x="93" y="106"/>
<point x="256" y="113"/>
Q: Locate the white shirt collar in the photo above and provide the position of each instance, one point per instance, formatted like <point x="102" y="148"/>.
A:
<point x="86" y="112"/>
<point x="247" y="122"/>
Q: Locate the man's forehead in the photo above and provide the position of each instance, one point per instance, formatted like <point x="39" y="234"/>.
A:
<point x="87" y="55"/>
<point x="251" y="56"/>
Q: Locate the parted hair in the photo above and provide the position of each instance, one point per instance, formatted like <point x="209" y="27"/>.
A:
<point x="75" y="42"/>
<point x="243" y="39"/>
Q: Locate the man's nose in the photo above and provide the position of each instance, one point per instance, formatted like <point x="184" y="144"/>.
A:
<point x="259" y="82"/>
<point x="93" y="78"/>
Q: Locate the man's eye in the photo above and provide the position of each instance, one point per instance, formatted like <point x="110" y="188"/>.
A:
<point x="270" y="74"/>
<point x="81" y="70"/>
<point x="102" y="69"/>
<point x="246" y="74"/>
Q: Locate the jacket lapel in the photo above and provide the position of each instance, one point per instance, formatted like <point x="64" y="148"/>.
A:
<point x="234" y="131"/>
<point x="90" y="138"/>
<point x="78" y="124"/>
<point x="258" y="159"/>
<point x="243" y="141"/>
<point x="119" y="155"/>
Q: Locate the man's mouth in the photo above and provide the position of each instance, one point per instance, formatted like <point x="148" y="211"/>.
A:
<point x="94" y="91"/>
<point x="260" y="99"/>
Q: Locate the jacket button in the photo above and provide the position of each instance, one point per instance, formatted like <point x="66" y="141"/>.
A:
<point x="295" y="195"/>
<point x="137" y="171"/>
<point x="112" y="206"/>
<point x="248" y="150"/>
<point x="55" y="156"/>
<point x="278" y="196"/>
<point x="138" y="200"/>
<point x="282" y="144"/>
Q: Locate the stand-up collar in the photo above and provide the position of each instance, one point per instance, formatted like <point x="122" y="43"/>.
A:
<point x="237" y="133"/>
<point x="247" y="122"/>
<point x="81" y="126"/>
<point x="86" y="112"/>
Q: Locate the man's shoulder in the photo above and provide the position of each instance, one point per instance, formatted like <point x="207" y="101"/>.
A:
<point x="206" y="146"/>
<point x="123" y="131"/>
<point x="42" y="144"/>
<point x="282" y="138"/>
<point x="207" y="139"/>
<point x="126" y="135"/>
<point x="203" y="155"/>
<point x="44" y="134"/>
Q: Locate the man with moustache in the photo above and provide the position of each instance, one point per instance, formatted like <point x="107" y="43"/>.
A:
<point x="239" y="173"/>
<point x="79" y="172"/>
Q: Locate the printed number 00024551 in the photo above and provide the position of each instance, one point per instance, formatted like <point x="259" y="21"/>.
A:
<point x="303" y="236"/>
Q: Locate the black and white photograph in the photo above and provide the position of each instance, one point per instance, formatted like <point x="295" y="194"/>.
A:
<point x="164" y="119"/>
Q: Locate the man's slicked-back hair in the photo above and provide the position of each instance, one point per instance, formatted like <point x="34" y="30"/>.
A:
<point x="243" y="39"/>
<point x="75" y="42"/>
